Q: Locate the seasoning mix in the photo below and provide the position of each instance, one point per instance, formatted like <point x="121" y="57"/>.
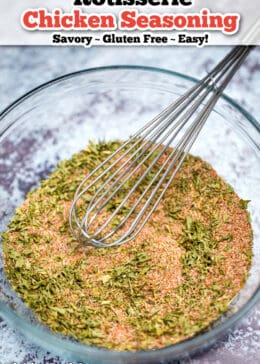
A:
<point x="169" y="283"/>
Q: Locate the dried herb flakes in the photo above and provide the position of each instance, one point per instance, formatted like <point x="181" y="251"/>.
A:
<point x="166" y="285"/>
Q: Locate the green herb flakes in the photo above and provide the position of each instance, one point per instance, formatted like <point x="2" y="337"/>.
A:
<point x="170" y="282"/>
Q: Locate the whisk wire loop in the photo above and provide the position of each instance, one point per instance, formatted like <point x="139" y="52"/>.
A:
<point x="162" y="143"/>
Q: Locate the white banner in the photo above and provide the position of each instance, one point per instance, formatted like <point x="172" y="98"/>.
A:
<point x="129" y="22"/>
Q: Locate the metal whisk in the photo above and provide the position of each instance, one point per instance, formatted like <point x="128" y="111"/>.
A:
<point x="113" y="203"/>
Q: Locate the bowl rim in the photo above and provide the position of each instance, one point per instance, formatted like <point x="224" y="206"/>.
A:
<point x="44" y="85"/>
<point x="201" y="340"/>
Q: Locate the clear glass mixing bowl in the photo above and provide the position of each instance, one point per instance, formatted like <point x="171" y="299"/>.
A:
<point x="58" y="119"/>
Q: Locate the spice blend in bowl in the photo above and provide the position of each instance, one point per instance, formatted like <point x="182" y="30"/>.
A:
<point x="169" y="283"/>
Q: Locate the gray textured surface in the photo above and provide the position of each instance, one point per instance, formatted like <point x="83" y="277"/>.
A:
<point x="24" y="68"/>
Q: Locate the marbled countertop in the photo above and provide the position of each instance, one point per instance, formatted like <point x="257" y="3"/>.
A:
<point x="23" y="68"/>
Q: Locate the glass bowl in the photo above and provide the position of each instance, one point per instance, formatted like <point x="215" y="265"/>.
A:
<point x="58" y="119"/>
